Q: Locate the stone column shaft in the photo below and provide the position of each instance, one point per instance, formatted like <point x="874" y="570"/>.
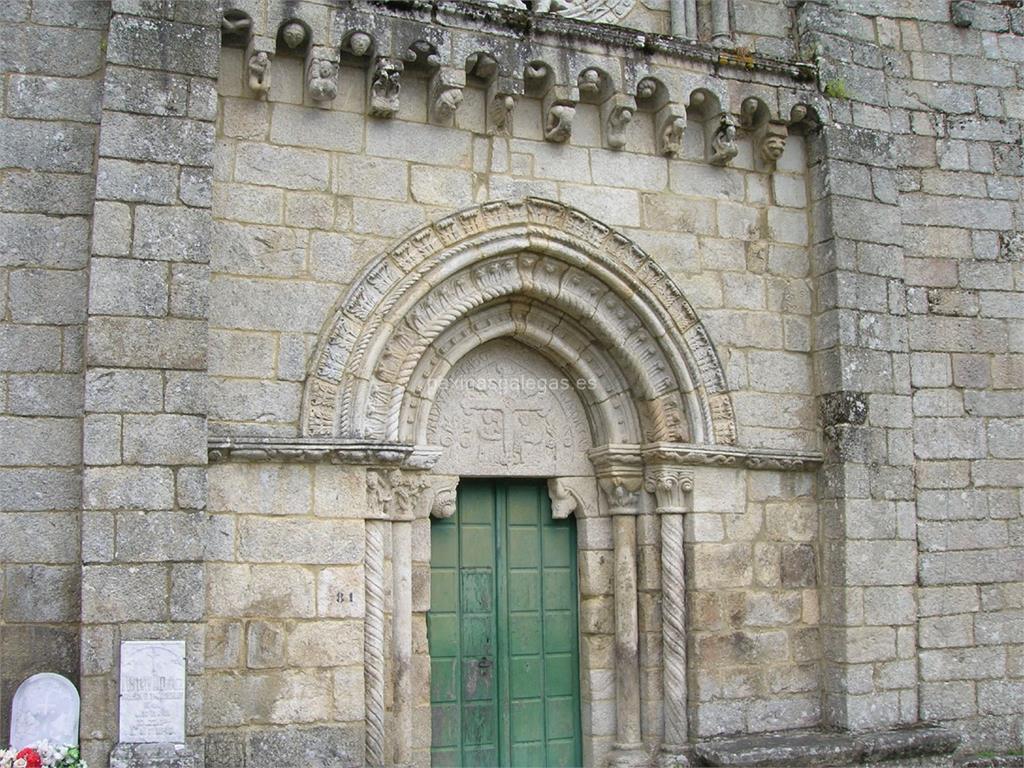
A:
<point x="670" y="486"/>
<point x="721" y="33"/>
<point x="401" y="567"/>
<point x="684" y="18"/>
<point x="627" y="651"/>
<point x="673" y="627"/>
<point x="373" y="642"/>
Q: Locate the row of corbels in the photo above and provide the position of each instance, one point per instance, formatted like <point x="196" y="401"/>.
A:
<point x="555" y="86"/>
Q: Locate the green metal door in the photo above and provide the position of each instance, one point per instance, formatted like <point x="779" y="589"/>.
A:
<point x="504" y="685"/>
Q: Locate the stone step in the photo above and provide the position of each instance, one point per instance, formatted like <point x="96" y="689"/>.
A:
<point x="919" y="746"/>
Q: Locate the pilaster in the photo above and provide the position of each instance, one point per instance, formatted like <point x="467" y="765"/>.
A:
<point x="145" y="436"/>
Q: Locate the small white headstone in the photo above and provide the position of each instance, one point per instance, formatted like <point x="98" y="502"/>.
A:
<point x="152" y="691"/>
<point x="46" y="707"/>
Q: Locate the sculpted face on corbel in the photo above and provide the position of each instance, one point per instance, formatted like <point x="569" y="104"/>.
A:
<point x="575" y="496"/>
<point x="672" y="125"/>
<point x="446" y="94"/>
<point x="773" y="143"/>
<point x="259" y="73"/>
<point x="618" y="113"/>
<point x="442" y="495"/>
<point x="321" y="77"/>
<point x="723" y="142"/>
<point x="385" y="87"/>
<point x="558" y="123"/>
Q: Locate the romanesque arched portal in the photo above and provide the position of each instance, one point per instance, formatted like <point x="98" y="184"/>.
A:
<point x="506" y="288"/>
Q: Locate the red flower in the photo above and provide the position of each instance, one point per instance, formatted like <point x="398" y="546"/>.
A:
<point x="31" y="758"/>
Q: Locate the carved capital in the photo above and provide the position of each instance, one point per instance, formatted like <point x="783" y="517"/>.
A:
<point x="392" y="494"/>
<point x="722" y="145"/>
<point x="621" y="494"/>
<point x="620" y="477"/>
<point x="322" y="74"/>
<point x="616" y="114"/>
<point x="671" y="487"/>
<point x="446" y="94"/>
<point x="384" y="85"/>
<point x="572" y="496"/>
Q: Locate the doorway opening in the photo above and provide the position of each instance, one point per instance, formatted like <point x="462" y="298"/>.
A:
<point x="503" y="630"/>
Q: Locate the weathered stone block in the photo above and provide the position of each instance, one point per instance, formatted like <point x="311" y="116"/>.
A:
<point x="120" y="390"/>
<point x="171" y="234"/>
<point x="140" y="42"/>
<point x="36" y="441"/>
<point x="47" y="146"/>
<point x="128" y="488"/>
<point x="164" y="439"/>
<point x="300" y="541"/>
<point x="128" y="287"/>
<point x="238" y="590"/>
<point x="147" y="343"/>
<point x="340" y="592"/>
<point x="290" y="168"/>
<point x="41" y="593"/>
<point x="157" y="139"/>
<point x="340" y="746"/>
<point x="124" y="593"/>
<point x="325" y="643"/>
<point x="44" y="241"/>
<point x="33" y="490"/>
<point x="112" y="229"/>
<point x="135" y="182"/>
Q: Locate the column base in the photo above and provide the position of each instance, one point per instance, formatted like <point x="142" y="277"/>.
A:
<point x="673" y="757"/>
<point x="629" y="756"/>
<point x="158" y="755"/>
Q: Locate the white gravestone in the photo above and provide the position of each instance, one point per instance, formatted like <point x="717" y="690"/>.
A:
<point x="46" y="708"/>
<point x="152" y="691"/>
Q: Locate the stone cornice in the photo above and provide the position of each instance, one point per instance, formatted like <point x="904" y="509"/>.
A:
<point x="730" y="456"/>
<point x="347" y="451"/>
<point x="317" y="449"/>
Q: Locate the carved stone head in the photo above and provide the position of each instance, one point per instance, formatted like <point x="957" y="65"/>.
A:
<point x="359" y="43"/>
<point x="772" y="147"/>
<point x="293" y="34"/>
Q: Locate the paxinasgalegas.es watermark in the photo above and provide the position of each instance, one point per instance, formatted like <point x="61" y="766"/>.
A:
<point x="505" y="385"/>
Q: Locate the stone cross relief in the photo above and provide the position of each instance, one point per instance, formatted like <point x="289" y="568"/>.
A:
<point x="489" y="418"/>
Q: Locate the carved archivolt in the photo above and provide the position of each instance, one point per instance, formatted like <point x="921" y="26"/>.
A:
<point x="577" y="292"/>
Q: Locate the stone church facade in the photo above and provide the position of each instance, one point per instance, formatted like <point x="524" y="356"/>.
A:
<point x="473" y="384"/>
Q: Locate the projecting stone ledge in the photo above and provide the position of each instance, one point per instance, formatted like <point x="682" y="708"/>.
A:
<point x="823" y="748"/>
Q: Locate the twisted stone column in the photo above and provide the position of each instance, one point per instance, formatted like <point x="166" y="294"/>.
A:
<point x="373" y="642"/>
<point x="669" y="486"/>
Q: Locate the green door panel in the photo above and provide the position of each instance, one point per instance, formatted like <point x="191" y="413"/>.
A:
<point x="502" y="629"/>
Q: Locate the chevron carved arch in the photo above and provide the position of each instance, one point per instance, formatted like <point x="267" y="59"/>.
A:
<point x="582" y="295"/>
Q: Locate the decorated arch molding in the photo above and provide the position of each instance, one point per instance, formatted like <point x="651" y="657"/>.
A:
<point x="582" y="295"/>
